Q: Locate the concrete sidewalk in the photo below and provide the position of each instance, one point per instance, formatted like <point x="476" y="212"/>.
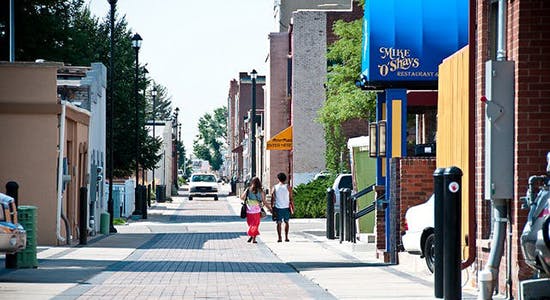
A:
<point x="337" y="268"/>
<point x="197" y="249"/>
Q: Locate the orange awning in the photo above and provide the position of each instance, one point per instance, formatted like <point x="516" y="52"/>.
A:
<point x="281" y="141"/>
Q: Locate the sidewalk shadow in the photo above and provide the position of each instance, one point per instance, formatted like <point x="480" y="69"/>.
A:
<point x="312" y="265"/>
<point x="204" y="219"/>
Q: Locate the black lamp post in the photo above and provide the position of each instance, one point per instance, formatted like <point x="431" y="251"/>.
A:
<point x="154" y="94"/>
<point x="136" y="44"/>
<point x="110" y="205"/>
<point x="175" y="163"/>
<point x="145" y="72"/>
<point x="253" y="75"/>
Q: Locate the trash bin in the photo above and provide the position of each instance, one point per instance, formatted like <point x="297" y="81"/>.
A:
<point x="104" y="223"/>
<point x="27" y="217"/>
<point x="160" y="193"/>
<point x="117" y="201"/>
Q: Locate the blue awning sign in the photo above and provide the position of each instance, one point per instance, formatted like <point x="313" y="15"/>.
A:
<point x="404" y="41"/>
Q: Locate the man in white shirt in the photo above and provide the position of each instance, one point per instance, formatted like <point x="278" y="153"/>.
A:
<point x="282" y="204"/>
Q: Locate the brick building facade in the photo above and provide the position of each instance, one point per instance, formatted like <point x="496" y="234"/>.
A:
<point x="528" y="45"/>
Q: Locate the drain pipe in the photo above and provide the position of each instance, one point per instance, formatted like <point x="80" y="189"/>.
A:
<point x="488" y="277"/>
<point x="60" y="171"/>
<point x="509" y="253"/>
<point x="501" y="31"/>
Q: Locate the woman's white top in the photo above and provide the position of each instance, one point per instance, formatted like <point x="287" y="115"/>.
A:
<point x="282" y="199"/>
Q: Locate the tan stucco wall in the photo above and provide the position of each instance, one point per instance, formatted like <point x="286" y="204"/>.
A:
<point x="28" y="83"/>
<point x="27" y="159"/>
<point x="29" y="133"/>
<point x="29" y="113"/>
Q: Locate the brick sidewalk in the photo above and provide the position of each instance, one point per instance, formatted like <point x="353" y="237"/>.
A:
<point x="196" y="260"/>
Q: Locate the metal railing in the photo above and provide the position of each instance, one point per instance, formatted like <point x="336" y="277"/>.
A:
<point x="348" y="212"/>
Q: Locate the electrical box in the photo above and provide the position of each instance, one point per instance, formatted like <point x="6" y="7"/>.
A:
<point x="499" y="130"/>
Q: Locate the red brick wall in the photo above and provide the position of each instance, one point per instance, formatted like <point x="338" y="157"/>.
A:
<point x="416" y="183"/>
<point x="412" y="179"/>
<point x="528" y="45"/>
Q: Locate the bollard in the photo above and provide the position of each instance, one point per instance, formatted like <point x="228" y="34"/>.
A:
<point x="83" y="216"/>
<point x="330" y="214"/>
<point x="138" y="201"/>
<point x="438" y="232"/>
<point x="143" y="191"/>
<point x="149" y="189"/>
<point x="12" y="190"/>
<point x="104" y="223"/>
<point x="349" y="217"/>
<point x="347" y="206"/>
<point x="353" y="210"/>
<point x="342" y="215"/>
<point x="452" y="215"/>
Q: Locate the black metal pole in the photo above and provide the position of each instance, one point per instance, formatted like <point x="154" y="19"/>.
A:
<point x="253" y="127"/>
<point x="342" y="214"/>
<point x="110" y="202"/>
<point x="12" y="190"/>
<point x="438" y="232"/>
<point x="83" y="216"/>
<point x="154" y="134"/>
<point x="176" y="151"/>
<point x="12" y="31"/>
<point x="330" y="214"/>
<point x="137" y="203"/>
<point x="452" y="215"/>
<point x="143" y="115"/>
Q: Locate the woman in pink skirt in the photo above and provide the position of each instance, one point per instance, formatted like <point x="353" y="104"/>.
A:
<point x="254" y="197"/>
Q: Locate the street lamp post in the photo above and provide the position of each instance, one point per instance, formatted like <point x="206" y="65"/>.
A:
<point x="136" y="44"/>
<point x="145" y="72"/>
<point x="154" y="94"/>
<point x="253" y="75"/>
<point x="110" y="203"/>
<point x="175" y="163"/>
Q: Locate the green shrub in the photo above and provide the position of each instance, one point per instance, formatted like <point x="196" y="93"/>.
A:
<point x="310" y="198"/>
<point x="119" y="221"/>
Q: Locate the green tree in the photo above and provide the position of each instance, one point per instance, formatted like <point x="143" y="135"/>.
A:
<point x="44" y="29"/>
<point x="344" y="100"/>
<point x="212" y="137"/>
<point x="163" y="102"/>
<point x="65" y="31"/>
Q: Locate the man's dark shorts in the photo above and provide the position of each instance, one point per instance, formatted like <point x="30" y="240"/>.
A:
<point x="283" y="214"/>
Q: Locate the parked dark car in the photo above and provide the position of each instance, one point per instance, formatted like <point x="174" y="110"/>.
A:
<point x="341" y="182"/>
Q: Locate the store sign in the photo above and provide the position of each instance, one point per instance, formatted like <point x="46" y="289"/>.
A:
<point x="406" y="40"/>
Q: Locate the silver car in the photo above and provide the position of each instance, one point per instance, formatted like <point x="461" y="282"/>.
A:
<point x="13" y="237"/>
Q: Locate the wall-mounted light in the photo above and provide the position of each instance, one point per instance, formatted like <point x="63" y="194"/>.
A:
<point x="373" y="139"/>
<point x="382" y="138"/>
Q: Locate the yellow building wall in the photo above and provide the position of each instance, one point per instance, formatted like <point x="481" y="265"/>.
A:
<point x="453" y="140"/>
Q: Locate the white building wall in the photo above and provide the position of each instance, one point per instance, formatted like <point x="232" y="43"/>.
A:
<point x="166" y="160"/>
<point x="163" y="168"/>
<point x="309" y="69"/>
<point x="96" y="80"/>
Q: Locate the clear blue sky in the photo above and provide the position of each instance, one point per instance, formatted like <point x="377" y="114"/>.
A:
<point x="194" y="48"/>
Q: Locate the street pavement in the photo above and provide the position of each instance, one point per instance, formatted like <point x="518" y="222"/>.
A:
<point x="198" y="250"/>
